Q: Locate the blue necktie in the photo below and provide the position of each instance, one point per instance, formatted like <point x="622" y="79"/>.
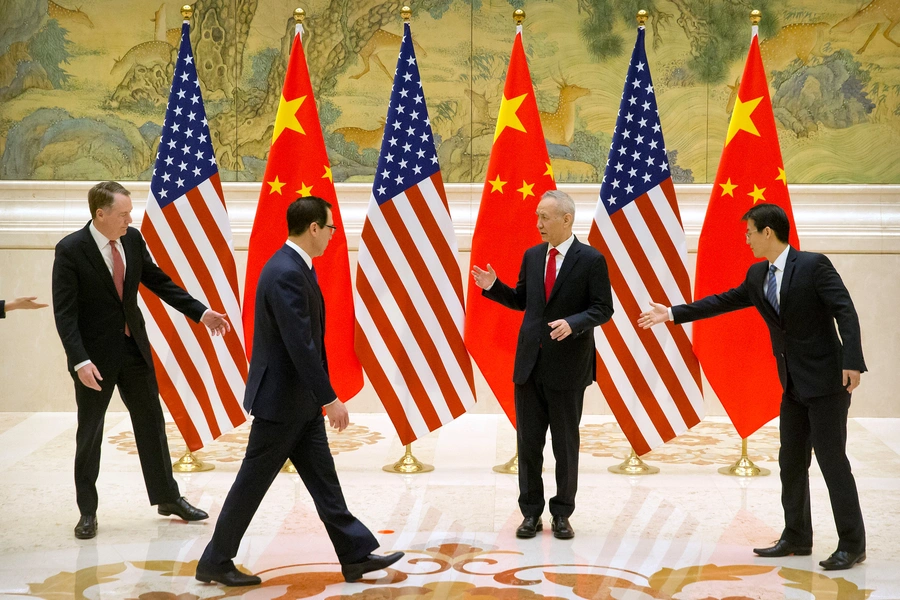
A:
<point x="772" y="289"/>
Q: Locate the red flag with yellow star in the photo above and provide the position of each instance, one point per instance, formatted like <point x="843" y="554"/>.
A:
<point x="518" y="174"/>
<point x="298" y="166"/>
<point x="734" y="349"/>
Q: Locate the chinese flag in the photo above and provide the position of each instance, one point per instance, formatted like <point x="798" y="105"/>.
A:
<point x="518" y="174"/>
<point x="298" y="166"/>
<point x="734" y="349"/>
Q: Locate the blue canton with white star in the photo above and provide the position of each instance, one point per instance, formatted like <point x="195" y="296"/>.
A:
<point x="407" y="155"/>
<point x="637" y="157"/>
<point x="185" y="155"/>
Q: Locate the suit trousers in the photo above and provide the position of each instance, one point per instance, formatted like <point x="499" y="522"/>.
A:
<point x="136" y="381"/>
<point x="818" y="424"/>
<point x="537" y="408"/>
<point x="269" y="446"/>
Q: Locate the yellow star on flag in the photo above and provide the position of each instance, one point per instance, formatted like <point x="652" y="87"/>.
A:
<point x="507" y="116"/>
<point x="497" y="185"/>
<point x="549" y="170"/>
<point x="276" y="185"/>
<point x="740" y="118"/>
<point x="286" y="117"/>
<point x="526" y="189"/>
<point x="328" y="174"/>
<point x="305" y="190"/>
<point x="728" y="188"/>
<point x="781" y="175"/>
<point x="757" y="194"/>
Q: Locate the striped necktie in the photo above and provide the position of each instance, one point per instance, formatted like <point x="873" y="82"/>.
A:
<point x="772" y="289"/>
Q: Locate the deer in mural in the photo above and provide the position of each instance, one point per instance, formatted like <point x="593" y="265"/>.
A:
<point x="382" y="41"/>
<point x="880" y="12"/>
<point x="559" y="126"/>
<point x="363" y="138"/>
<point x="63" y="14"/>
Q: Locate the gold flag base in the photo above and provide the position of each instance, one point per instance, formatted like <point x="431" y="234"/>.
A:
<point x="510" y="467"/>
<point x="633" y="465"/>
<point x="191" y="464"/>
<point x="409" y="464"/>
<point x="744" y="467"/>
<point x="288" y="467"/>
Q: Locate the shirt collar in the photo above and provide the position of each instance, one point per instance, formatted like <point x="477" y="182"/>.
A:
<point x="306" y="258"/>
<point x="781" y="261"/>
<point x="563" y="248"/>
<point x="100" y="239"/>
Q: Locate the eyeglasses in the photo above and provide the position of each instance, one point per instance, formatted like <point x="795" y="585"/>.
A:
<point x="747" y="235"/>
<point x="331" y="227"/>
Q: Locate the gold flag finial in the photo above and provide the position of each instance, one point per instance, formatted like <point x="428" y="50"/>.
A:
<point x="406" y="13"/>
<point x="187" y="11"/>
<point x="299" y="15"/>
<point x="642" y="17"/>
<point x="519" y="16"/>
<point x="755" y="16"/>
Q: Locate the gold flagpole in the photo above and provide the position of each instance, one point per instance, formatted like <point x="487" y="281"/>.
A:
<point x="633" y="465"/>
<point x="510" y="467"/>
<point x="744" y="467"/>
<point x="408" y="465"/>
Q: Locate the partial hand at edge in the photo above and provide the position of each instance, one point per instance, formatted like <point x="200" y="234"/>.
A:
<point x="338" y="416"/>
<point x="659" y="313"/>
<point x="851" y="379"/>
<point x="90" y="377"/>
<point x="216" y="322"/>
<point x="24" y="303"/>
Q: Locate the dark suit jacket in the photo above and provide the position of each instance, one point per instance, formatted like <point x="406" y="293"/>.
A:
<point x="90" y="318"/>
<point x="288" y="378"/>
<point x="804" y="340"/>
<point x="581" y="295"/>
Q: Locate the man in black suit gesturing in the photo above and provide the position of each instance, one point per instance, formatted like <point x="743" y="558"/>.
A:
<point x="287" y="388"/>
<point x="564" y="290"/>
<point x="800" y="296"/>
<point x="96" y="274"/>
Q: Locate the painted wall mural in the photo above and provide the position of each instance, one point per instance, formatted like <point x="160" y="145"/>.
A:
<point x="83" y="87"/>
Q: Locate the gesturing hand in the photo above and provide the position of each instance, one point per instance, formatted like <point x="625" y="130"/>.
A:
<point x="656" y="315"/>
<point x="216" y="322"/>
<point x="484" y="279"/>
<point x="559" y="330"/>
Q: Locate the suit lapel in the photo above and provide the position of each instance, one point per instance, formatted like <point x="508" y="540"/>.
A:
<point x="95" y="259"/>
<point x="787" y="277"/>
<point x="760" y="273"/>
<point x="569" y="261"/>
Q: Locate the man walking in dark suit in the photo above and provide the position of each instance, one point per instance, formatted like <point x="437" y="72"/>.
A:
<point x="564" y="290"/>
<point x="800" y="297"/>
<point x="287" y="388"/>
<point x="96" y="274"/>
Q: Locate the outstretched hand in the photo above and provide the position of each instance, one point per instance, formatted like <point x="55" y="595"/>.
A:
<point x="659" y="313"/>
<point x="24" y="303"/>
<point x="484" y="279"/>
<point x="216" y="322"/>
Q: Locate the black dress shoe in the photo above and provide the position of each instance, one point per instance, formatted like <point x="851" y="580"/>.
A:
<point x="184" y="510"/>
<point x="354" y="571"/>
<point x="561" y="528"/>
<point x="231" y="577"/>
<point x="529" y="527"/>
<point x="87" y="527"/>
<point x="842" y="559"/>
<point x="783" y="548"/>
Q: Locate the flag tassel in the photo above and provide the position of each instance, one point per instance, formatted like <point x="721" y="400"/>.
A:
<point x="744" y="467"/>
<point x="409" y="464"/>
<point x="633" y="465"/>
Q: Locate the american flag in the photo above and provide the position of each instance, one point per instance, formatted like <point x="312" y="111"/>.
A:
<point x="409" y="297"/>
<point x="201" y="378"/>
<point x="650" y="378"/>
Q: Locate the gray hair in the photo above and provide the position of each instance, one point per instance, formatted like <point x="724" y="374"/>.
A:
<point x="564" y="202"/>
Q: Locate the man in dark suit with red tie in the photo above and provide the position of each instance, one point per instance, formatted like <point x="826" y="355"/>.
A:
<point x="96" y="274"/>
<point x="564" y="290"/>
<point x="287" y="389"/>
<point x="800" y="296"/>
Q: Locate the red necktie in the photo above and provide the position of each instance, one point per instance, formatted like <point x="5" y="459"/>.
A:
<point x="118" y="273"/>
<point x="550" y="277"/>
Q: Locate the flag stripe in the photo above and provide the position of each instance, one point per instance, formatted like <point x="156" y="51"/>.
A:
<point x="624" y="417"/>
<point x="438" y="227"/>
<point x="186" y="424"/>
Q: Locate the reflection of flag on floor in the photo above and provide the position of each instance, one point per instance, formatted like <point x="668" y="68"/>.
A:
<point x="409" y="298"/>
<point x="518" y="174"/>
<point x="298" y="166"/>
<point x="750" y="171"/>
<point x="650" y="378"/>
<point x="201" y="378"/>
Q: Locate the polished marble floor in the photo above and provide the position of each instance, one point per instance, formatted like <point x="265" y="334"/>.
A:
<point x="682" y="534"/>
